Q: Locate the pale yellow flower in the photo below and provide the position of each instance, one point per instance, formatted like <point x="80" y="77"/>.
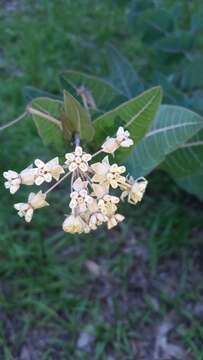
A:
<point x="134" y="190"/>
<point x="114" y="177"/>
<point x="110" y="145"/>
<point x="99" y="190"/>
<point x="28" y="176"/>
<point x="74" y="224"/>
<point x="13" y="181"/>
<point x="96" y="220"/>
<point x="45" y="172"/>
<point x="24" y="210"/>
<point x="79" y="184"/>
<point x="35" y="201"/>
<point x="93" y="216"/>
<point x="114" y="220"/>
<point x="78" y="160"/>
<point x="107" y="205"/>
<point x="106" y="174"/>
<point x="80" y="200"/>
<point x="122" y="137"/>
<point x="121" y="140"/>
<point x="101" y="170"/>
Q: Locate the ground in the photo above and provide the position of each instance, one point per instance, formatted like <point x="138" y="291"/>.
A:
<point x="134" y="293"/>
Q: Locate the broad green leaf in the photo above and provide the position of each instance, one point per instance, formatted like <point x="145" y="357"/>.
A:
<point x="172" y="127"/>
<point x="171" y="93"/>
<point x="50" y="133"/>
<point x="78" y="119"/>
<point x="195" y="101"/>
<point x="99" y="93"/>
<point x="192" y="75"/>
<point x="122" y="74"/>
<point x="187" y="160"/>
<point x="176" y="42"/>
<point x="135" y="115"/>
<point x="30" y="93"/>
<point x="192" y="184"/>
<point x="155" y="22"/>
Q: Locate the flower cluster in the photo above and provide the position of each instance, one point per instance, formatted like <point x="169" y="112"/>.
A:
<point x="91" y="201"/>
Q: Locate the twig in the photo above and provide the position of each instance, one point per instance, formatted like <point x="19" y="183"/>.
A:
<point x="13" y="121"/>
<point x="44" y="115"/>
<point x="58" y="182"/>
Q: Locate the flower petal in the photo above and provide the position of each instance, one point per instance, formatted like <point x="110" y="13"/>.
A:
<point x="48" y="177"/>
<point x="83" y="167"/>
<point x="39" y="163"/>
<point x="78" y="151"/>
<point x="69" y="157"/>
<point x="73" y="166"/>
<point x="29" y="214"/>
<point x="39" y="180"/>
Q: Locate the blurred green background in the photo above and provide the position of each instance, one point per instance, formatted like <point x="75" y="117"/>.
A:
<point x="134" y="292"/>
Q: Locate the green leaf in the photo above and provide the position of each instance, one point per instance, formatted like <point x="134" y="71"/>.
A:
<point x="50" y="133"/>
<point x="172" y="127"/>
<point x="30" y="93"/>
<point x="100" y="92"/>
<point x="187" y="160"/>
<point x="78" y="120"/>
<point x="176" y="42"/>
<point x="122" y="74"/>
<point x="171" y="93"/>
<point x="135" y="115"/>
<point x="191" y="74"/>
<point x="192" y="184"/>
<point x="155" y="22"/>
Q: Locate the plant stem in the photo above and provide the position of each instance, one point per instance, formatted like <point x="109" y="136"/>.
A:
<point x="58" y="182"/>
<point x="13" y="121"/>
<point x="44" y="115"/>
<point x="77" y="139"/>
<point x="97" y="153"/>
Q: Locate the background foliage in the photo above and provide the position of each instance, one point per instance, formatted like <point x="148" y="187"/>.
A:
<point x="129" y="282"/>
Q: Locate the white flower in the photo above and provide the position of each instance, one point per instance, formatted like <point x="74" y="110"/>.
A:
<point x="107" y="205"/>
<point x="74" y="224"/>
<point x="110" y="145"/>
<point x="28" y="176"/>
<point x="35" y="201"/>
<point x="79" y="184"/>
<point x="114" y="175"/>
<point x="93" y="216"/>
<point x="134" y="189"/>
<point x="114" y="220"/>
<point x="24" y="210"/>
<point x="45" y="172"/>
<point x="122" y="139"/>
<point x="97" y="219"/>
<point x="80" y="200"/>
<point x="106" y="174"/>
<point x="78" y="160"/>
<point x="101" y="170"/>
<point x="99" y="190"/>
<point x="13" y="181"/>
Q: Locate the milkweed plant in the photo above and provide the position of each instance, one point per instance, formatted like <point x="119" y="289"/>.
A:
<point x="99" y="137"/>
<point x="91" y="202"/>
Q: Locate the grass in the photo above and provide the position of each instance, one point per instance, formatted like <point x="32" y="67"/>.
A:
<point x="49" y="292"/>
